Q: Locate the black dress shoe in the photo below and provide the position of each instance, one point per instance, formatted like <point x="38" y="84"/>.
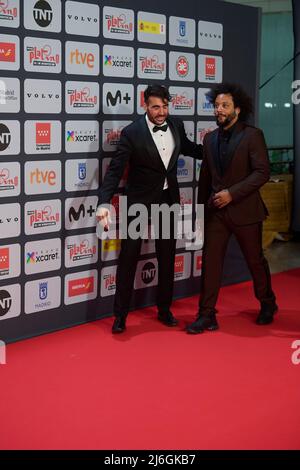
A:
<point x="167" y="318"/>
<point x="267" y="311"/>
<point x="119" y="324"/>
<point x="202" y="323"/>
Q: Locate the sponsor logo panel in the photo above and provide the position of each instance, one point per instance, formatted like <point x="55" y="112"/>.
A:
<point x="210" y="69"/>
<point x="42" y="216"/>
<point x="82" y="18"/>
<point x="183" y="100"/>
<point x="80" y="212"/>
<point x="118" y="23"/>
<point x="111" y="133"/>
<point x="146" y="274"/>
<point x="43" y="294"/>
<point x="81" y="287"/>
<point x="210" y="35"/>
<point x="182" y="266"/>
<point x="110" y="249"/>
<point x="204" y="108"/>
<point x="189" y="127"/>
<point x="42" y="137"/>
<point x="10" y="13"/>
<point x="9" y="138"/>
<point x="42" y="96"/>
<point x="82" y="136"/>
<point x="10" y="220"/>
<point x="140" y="101"/>
<point x="203" y="127"/>
<point x="197" y="263"/>
<point x="42" y="55"/>
<point x="152" y="27"/>
<point x="81" y="250"/>
<point x="43" y="15"/>
<point x="182" y="31"/>
<point x="118" y="61"/>
<point x="82" y="58"/>
<point x="43" y="177"/>
<point x="10" y="95"/>
<point x="182" y="66"/>
<point x="82" y="175"/>
<point x="10" y="261"/>
<point x="10" y="301"/>
<point x="10" y="184"/>
<point x="42" y="256"/>
<point x="151" y="64"/>
<point x="108" y="281"/>
<point x="118" y="98"/>
<point x="9" y="52"/>
<point x="82" y="98"/>
<point x="185" y="169"/>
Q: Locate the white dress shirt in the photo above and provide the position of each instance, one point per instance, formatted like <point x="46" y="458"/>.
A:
<point x="164" y="142"/>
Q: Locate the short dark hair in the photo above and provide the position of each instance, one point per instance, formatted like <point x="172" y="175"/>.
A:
<point x="159" y="91"/>
<point x="240" y="98"/>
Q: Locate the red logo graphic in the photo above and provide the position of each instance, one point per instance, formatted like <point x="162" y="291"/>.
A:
<point x="43" y="133"/>
<point x="179" y="264"/>
<point x="7" y="52"/>
<point x="4" y="259"/>
<point x="142" y="99"/>
<point x="81" y="286"/>
<point x="199" y="263"/>
<point x="210" y="67"/>
<point x="182" y="66"/>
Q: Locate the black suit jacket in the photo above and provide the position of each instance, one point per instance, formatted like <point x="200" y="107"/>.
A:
<point x="147" y="172"/>
<point x="247" y="169"/>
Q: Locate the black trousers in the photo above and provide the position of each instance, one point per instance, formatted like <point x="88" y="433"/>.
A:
<point x="217" y="231"/>
<point x="127" y="263"/>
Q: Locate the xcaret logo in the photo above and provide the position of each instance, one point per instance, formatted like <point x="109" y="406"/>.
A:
<point x="43" y="256"/>
<point x="42" y="13"/>
<point x="5" y="302"/>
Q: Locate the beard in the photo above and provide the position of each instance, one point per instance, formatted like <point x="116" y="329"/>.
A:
<point x="227" y="120"/>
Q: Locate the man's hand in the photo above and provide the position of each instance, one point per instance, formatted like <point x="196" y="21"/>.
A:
<point x="103" y="217"/>
<point x="222" y="198"/>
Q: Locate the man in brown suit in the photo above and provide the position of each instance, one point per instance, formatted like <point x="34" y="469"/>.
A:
<point x="235" y="165"/>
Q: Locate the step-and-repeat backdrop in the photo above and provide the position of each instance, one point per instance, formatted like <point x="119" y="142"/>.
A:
<point x="72" y="76"/>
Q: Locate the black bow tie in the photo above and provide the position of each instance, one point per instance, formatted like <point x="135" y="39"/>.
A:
<point x="160" y="128"/>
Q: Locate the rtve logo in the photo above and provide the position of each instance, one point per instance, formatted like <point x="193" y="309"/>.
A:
<point x="82" y="58"/>
<point x="38" y="176"/>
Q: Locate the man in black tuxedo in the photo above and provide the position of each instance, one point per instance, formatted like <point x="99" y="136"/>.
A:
<point x="235" y="165"/>
<point x="150" y="146"/>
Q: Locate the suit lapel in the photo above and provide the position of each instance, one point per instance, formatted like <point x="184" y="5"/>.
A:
<point x="149" y="143"/>
<point x="234" y="142"/>
<point x="176" y="150"/>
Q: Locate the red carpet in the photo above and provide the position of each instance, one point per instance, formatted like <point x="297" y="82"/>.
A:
<point x="159" y="388"/>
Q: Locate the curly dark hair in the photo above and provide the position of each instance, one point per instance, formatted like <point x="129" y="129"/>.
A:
<point x="240" y="98"/>
<point x="158" y="91"/>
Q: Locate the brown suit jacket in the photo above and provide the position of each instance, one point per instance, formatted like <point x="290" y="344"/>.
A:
<point x="247" y="169"/>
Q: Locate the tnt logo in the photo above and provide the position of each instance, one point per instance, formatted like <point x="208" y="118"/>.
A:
<point x="2" y="353"/>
